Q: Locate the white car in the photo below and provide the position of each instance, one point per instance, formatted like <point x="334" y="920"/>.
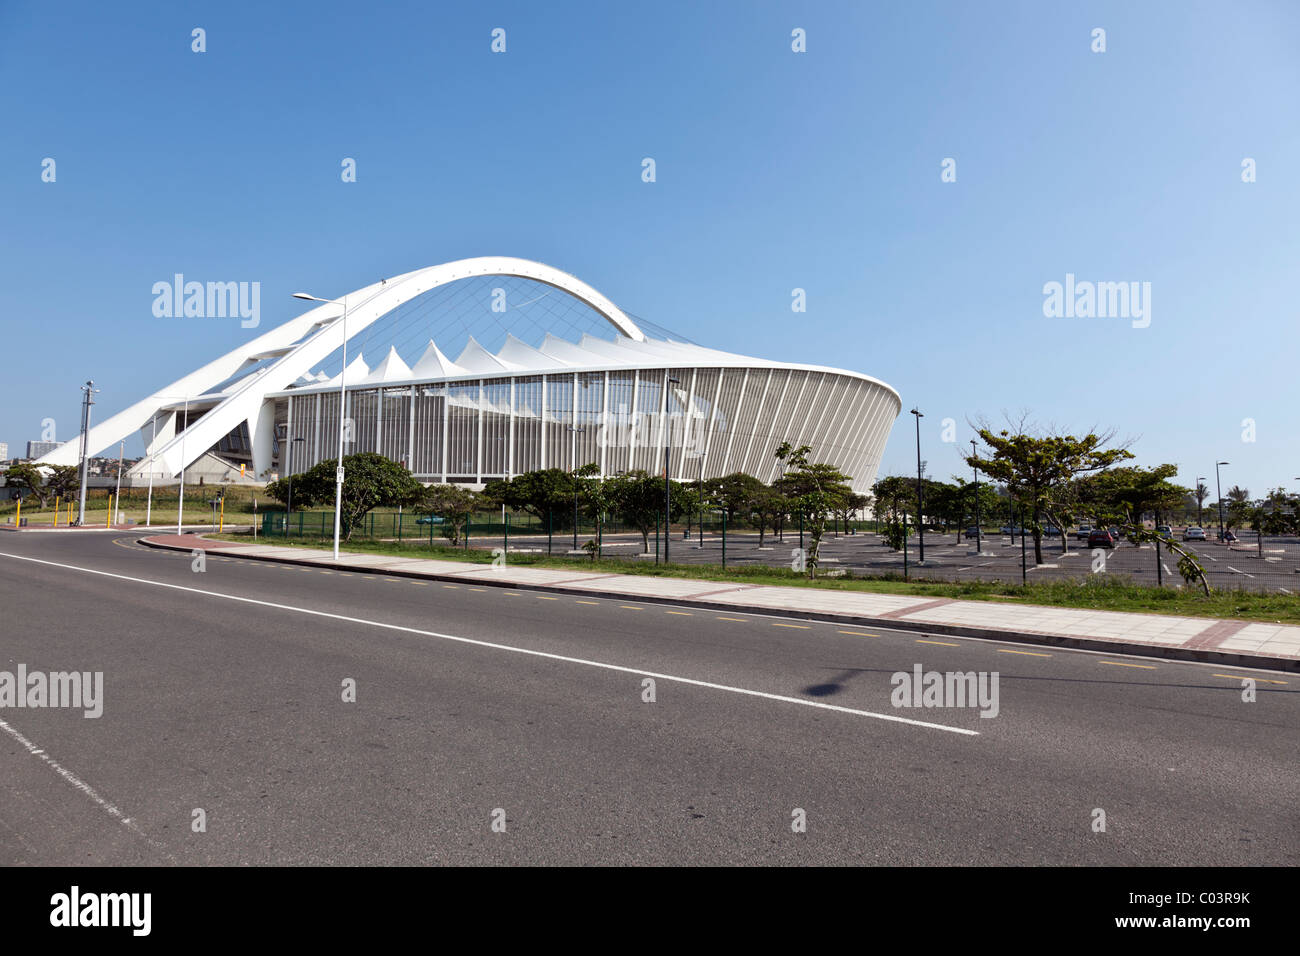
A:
<point x="1083" y="532"/>
<point x="1194" y="534"/>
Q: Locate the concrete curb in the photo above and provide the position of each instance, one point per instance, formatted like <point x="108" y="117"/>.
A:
<point x="1195" y="655"/>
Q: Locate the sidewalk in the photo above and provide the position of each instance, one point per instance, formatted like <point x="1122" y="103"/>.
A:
<point x="1239" y="643"/>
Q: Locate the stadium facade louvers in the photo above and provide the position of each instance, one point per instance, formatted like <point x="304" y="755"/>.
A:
<point x="484" y="416"/>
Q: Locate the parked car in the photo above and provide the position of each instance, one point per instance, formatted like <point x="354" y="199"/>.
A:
<point x="1114" y="533"/>
<point x="1194" y="534"/>
<point x="428" y="519"/>
<point x="1052" y="531"/>
<point x="1101" y="538"/>
<point x="972" y="532"/>
<point x="1083" y="532"/>
<point x="1165" y="532"/>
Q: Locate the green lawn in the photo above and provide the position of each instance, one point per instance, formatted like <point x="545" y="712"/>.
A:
<point x="1110" y="593"/>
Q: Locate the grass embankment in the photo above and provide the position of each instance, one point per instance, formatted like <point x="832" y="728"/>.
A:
<point x="1108" y="593"/>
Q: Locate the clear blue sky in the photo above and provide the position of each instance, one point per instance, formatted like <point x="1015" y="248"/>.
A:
<point x="775" y="170"/>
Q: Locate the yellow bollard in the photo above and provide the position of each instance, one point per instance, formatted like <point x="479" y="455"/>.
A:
<point x="222" y="525"/>
<point x="69" y="514"/>
<point x="108" y="522"/>
<point x="18" y="519"/>
<point x="56" y="511"/>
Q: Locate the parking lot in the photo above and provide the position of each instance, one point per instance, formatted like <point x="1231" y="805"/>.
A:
<point x="1270" y="564"/>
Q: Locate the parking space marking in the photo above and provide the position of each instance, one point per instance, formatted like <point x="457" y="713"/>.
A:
<point x="1231" y="568"/>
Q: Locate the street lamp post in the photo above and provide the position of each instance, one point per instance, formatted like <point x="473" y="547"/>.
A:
<point x="575" y="429"/>
<point x="343" y="374"/>
<point x="89" y="399"/>
<point x="1199" y="479"/>
<point x="180" y="501"/>
<point x="668" y="425"/>
<point x="979" y="545"/>
<point x="920" y="504"/>
<point x="1218" y="487"/>
<point x="117" y="493"/>
<point x="288" y="505"/>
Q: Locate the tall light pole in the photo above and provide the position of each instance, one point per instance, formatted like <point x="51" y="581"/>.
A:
<point x="978" y="538"/>
<point x="87" y="400"/>
<point x="117" y="495"/>
<point x="668" y="472"/>
<point x="1199" y="497"/>
<point x="180" y="500"/>
<point x="920" y="504"/>
<point x="575" y="429"/>
<point x="288" y="505"/>
<point x="338" y="474"/>
<point x="1218" y="487"/>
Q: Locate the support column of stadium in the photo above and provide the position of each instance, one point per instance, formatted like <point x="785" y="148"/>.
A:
<point x="343" y="373"/>
<point x="88" y="399"/>
<point x="603" y="432"/>
<point x="1218" y="487"/>
<point x="920" y="504"/>
<point x="668" y="514"/>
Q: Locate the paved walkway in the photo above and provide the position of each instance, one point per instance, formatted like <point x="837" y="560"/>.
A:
<point x="1242" y="643"/>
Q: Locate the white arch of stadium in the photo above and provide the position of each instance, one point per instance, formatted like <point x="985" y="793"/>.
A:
<point x="485" y="415"/>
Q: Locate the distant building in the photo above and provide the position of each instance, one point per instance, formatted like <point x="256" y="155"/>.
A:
<point x="4" y="451"/>
<point x="38" y="449"/>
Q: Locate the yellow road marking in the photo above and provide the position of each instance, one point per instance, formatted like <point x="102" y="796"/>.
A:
<point x="1261" y="680"/>
<point x="423" y="584"/>
<point x="738" y="620"/>
<point x="1147" y="667"/>
<point x="452" y="586"/>
<point x="682" y="613"/>
<point x="327" y="572"/>
<point x="941" y="643"/>
<point x="478" y="589"/>
<point x="1003" y="650"/>
<point x="802" y="627"/>
<point x="629" y="607"/>
<point x="586" y="602"/>
<point x="543" y="597"/>
<point x="860" y="633"/>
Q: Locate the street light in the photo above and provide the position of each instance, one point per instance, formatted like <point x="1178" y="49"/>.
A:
<point x="1199" y="497"/>
<point x="1218" y="487"/>
<point x="88" y="400"/>
<point x="978" y="539"/>
<point x="920" y="522"/>
<point x="338" y="474"/>
<point x="288" y="505"/>
<point x="180" y="501"/>
<point x="575" y="429"/>
<point x="668" y="538"/>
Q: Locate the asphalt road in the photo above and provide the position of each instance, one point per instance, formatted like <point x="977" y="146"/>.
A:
<point x="223" y="691"/>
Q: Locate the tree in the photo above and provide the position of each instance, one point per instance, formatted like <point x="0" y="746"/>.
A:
<point x="1239" y="507"/>
<point x="895" y="496"/>
<point x="453" y="503"/>
<point x="30" y="478"/>
<point x="370" y="480"/>
<point x="1122" y="495"/>
<point x="1201" y="493"/>
<point x="63" y="481"/>
<point x="638" y="498"/>
<point x="545" y="494"/>
<point x="733" y="493"/>
<point x="766" y="505"/>
<point x="818" y="489"/>
<point x="1040" y="472"/>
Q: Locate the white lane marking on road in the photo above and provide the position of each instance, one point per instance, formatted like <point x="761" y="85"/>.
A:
<point x="621" y="668"/>
<point x="1231" y="568"/>
<point x="77" y="782"/>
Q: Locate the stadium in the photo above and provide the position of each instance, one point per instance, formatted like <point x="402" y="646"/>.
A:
<point x="548" y="373"/>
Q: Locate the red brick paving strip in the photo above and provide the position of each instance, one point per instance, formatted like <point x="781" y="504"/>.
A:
<point x="1215" y="634"/>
